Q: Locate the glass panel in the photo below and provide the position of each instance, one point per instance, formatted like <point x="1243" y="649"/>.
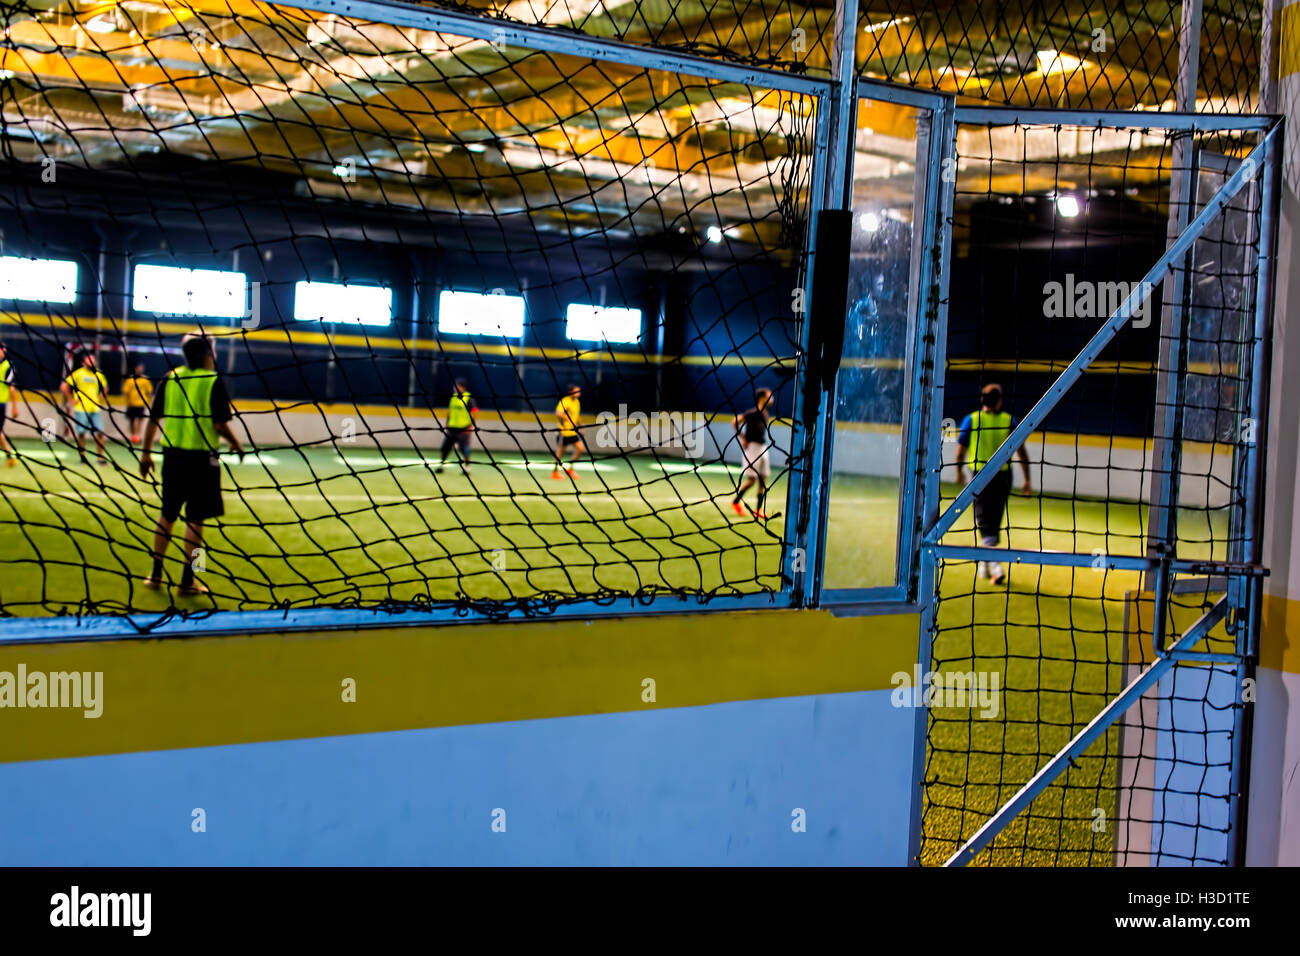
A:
<point x="871" y="394"/>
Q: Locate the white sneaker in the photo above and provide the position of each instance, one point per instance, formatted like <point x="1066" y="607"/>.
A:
<point x="984" y="569"/>
<point x="996" y="573"/>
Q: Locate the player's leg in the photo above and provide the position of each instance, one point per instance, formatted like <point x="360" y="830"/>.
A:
<point x="97" y="422"/>
<point x="162" y="539"/>
<point x="79" y="434"/>
<point x="4" y="442"/>
<point x="448" y="439"/>
<point x="748" y="478"/>
<point x="463" y="444"/>
<point x="173" y="499"/>
<point x="578" y="449"/>
<point x="202" y="503"/>
<point x="998" y="490"/>
<point x="763" y="469"/>
<point x="559" y="457"/>
<point x="979" y="507"/>
<point x="193" y="551"/>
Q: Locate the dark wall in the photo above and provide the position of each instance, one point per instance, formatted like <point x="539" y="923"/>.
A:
<point x="709" y="304"/>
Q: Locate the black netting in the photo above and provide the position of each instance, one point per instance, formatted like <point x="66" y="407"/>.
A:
<point x="452" y="202"/>
<point x="1055" y="227"/>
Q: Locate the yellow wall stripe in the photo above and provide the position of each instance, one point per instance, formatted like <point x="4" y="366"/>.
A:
<point x="113" y="327"/>
<point x="206" y="691"/>
<point x="1288" y="40"/>
<point x="1278" y="648"/>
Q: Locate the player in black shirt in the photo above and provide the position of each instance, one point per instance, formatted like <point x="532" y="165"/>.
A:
<point x="752" y="428"/>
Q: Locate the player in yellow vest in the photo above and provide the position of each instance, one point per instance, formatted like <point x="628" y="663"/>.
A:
<point x="138" y="391"/>
<point x="86" y="391"/>
<point x="569" y="414"/>
<point x="460" y="425"/>
<point x="192" y="411"/>
<point x="6" y="393"/>
<point x="984" y="432"/>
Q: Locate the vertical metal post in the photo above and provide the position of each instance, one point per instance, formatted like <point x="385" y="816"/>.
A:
<point x="943" y="149"/>
<point x="798" y="510"/>
<point x="843" y="126"/>
<point x="1270" y="190"/>
<point x="1268" y="59"/>
<point x="1182" y="192"/>
<point x="836" y="125"/>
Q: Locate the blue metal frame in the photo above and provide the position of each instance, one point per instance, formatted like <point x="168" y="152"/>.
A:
<point x="938" y="108"/>
<point x="560" y="40"/>
<point x="1255" y="457"/>
<point x="567" y="42"/>
<point x="932" y="356"/>
<point x="1074" y="371"/>
<point x="1086" y="737"/>
<point x="1243" y="578"/>
<point x="1111" y="119"/>
<point x="164" y="624"/>
<point x="842" y="124"/>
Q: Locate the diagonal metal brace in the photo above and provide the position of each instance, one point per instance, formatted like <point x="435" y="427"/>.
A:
<point x="1086" y="737"/>
<point x="1179" y="248"/>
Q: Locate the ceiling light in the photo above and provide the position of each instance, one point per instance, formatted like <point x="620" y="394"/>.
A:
<point x="1053" y="61"/>
<point x="104" y="23"/>
<point x="1067" y="206"/>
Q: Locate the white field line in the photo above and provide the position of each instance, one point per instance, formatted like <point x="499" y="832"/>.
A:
<point x="497" y="499"/>
<point x="262" y="459"/>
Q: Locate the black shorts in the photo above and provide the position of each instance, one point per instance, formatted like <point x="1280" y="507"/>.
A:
<point x="4" y="412"/>
<point x="458" y="438"/>
<point x="134" y="413"/>
<point x="991" y="504"/>
<point x="567" y="440"/>
<point x="191" y="479"/>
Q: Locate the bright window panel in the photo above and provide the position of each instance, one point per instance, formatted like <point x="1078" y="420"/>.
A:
<point x="596" y="323"/>
<point x="38" y="280"/>
<point x="338" y="302"/>
<point x="474" y="313"/>
<point x="169" y="290"/>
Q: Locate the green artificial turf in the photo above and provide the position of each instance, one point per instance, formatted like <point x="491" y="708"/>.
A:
<point x="316" y="526"/>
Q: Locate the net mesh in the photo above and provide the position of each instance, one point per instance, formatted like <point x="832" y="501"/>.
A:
<point x="267" y="146"/>
<point x="1074" y="218"/>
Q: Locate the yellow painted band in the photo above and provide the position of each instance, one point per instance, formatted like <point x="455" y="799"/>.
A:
<point x="476" y="347"/>
<point x="1288" y="40"/>
<point x="207" y="691"/>
<point x="1278" y="648"/>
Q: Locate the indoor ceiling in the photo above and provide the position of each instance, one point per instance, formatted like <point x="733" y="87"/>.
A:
<point x="398" y="115"/>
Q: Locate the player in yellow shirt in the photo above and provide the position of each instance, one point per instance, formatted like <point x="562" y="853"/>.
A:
<point x="86" y="391"/>
<point x="138" y="391"/>
<point x="6" y="387"/>
<point x="569" y="414"/>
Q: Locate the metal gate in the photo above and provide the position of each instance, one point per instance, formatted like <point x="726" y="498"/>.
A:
<point x="1124" y="644"/>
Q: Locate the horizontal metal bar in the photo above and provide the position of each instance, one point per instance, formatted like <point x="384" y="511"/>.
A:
<point x="1110" y="119"/>
<point x="1085" y="738"/>
<point x="1213" y="574"/>
<point x="883" y="92"/>
<point x="49" y="630"/>
<point x="890" y="592"/>
<point x="1177" y="249"/>
<point x="1219" y="569"/>
<point x="554" y="40"/>
<point x="1207" y="657"/>
<point x="1120" y="562"/>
